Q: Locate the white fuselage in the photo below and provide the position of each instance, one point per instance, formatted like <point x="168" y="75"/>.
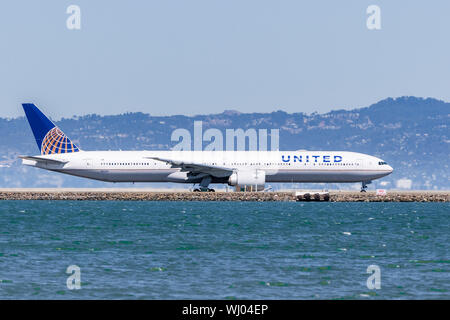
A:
<point x="278" y="166"/>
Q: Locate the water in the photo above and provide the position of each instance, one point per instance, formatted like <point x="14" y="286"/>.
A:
<point x="225" y="250"/>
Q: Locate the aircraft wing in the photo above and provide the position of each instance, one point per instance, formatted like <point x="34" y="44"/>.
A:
<point x="43" y="160"/>
<point x="216" y="171"/>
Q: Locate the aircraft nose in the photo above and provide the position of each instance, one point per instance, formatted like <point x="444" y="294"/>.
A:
<point x="390" y="169"/>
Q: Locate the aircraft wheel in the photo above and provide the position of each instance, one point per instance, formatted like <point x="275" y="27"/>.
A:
<point x="196" y="190"/>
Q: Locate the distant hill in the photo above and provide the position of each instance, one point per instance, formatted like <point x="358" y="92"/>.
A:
<point x="411" y="134"/>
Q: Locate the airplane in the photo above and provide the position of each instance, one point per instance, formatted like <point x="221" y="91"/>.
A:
<point x="242" y="169"/>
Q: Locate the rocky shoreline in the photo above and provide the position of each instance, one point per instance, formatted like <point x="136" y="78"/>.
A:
<point x="343" y="196"/>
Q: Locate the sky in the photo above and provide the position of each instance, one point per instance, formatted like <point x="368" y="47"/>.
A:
<point x="206" y="56"/>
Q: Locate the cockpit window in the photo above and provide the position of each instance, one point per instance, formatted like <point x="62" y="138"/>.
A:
<point x="382" y="163"/>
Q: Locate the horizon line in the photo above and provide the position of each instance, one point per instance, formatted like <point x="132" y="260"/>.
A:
<point x="231" y="111"/>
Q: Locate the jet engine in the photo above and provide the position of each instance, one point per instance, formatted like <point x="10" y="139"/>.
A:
<point x="254" y="179"/>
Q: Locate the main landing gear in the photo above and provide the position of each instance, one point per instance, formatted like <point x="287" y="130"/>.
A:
<point x="204" y="185"/>
<point x="364" y="185"/>
<point x="204" y="190"/>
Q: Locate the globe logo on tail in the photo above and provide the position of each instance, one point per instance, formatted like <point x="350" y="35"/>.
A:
<point x="55" y="141"/>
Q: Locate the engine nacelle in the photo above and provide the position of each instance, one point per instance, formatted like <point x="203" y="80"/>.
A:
<point x="248" y="178"/>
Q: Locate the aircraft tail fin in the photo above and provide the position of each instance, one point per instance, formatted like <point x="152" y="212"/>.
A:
<point x="49" y="138"/>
